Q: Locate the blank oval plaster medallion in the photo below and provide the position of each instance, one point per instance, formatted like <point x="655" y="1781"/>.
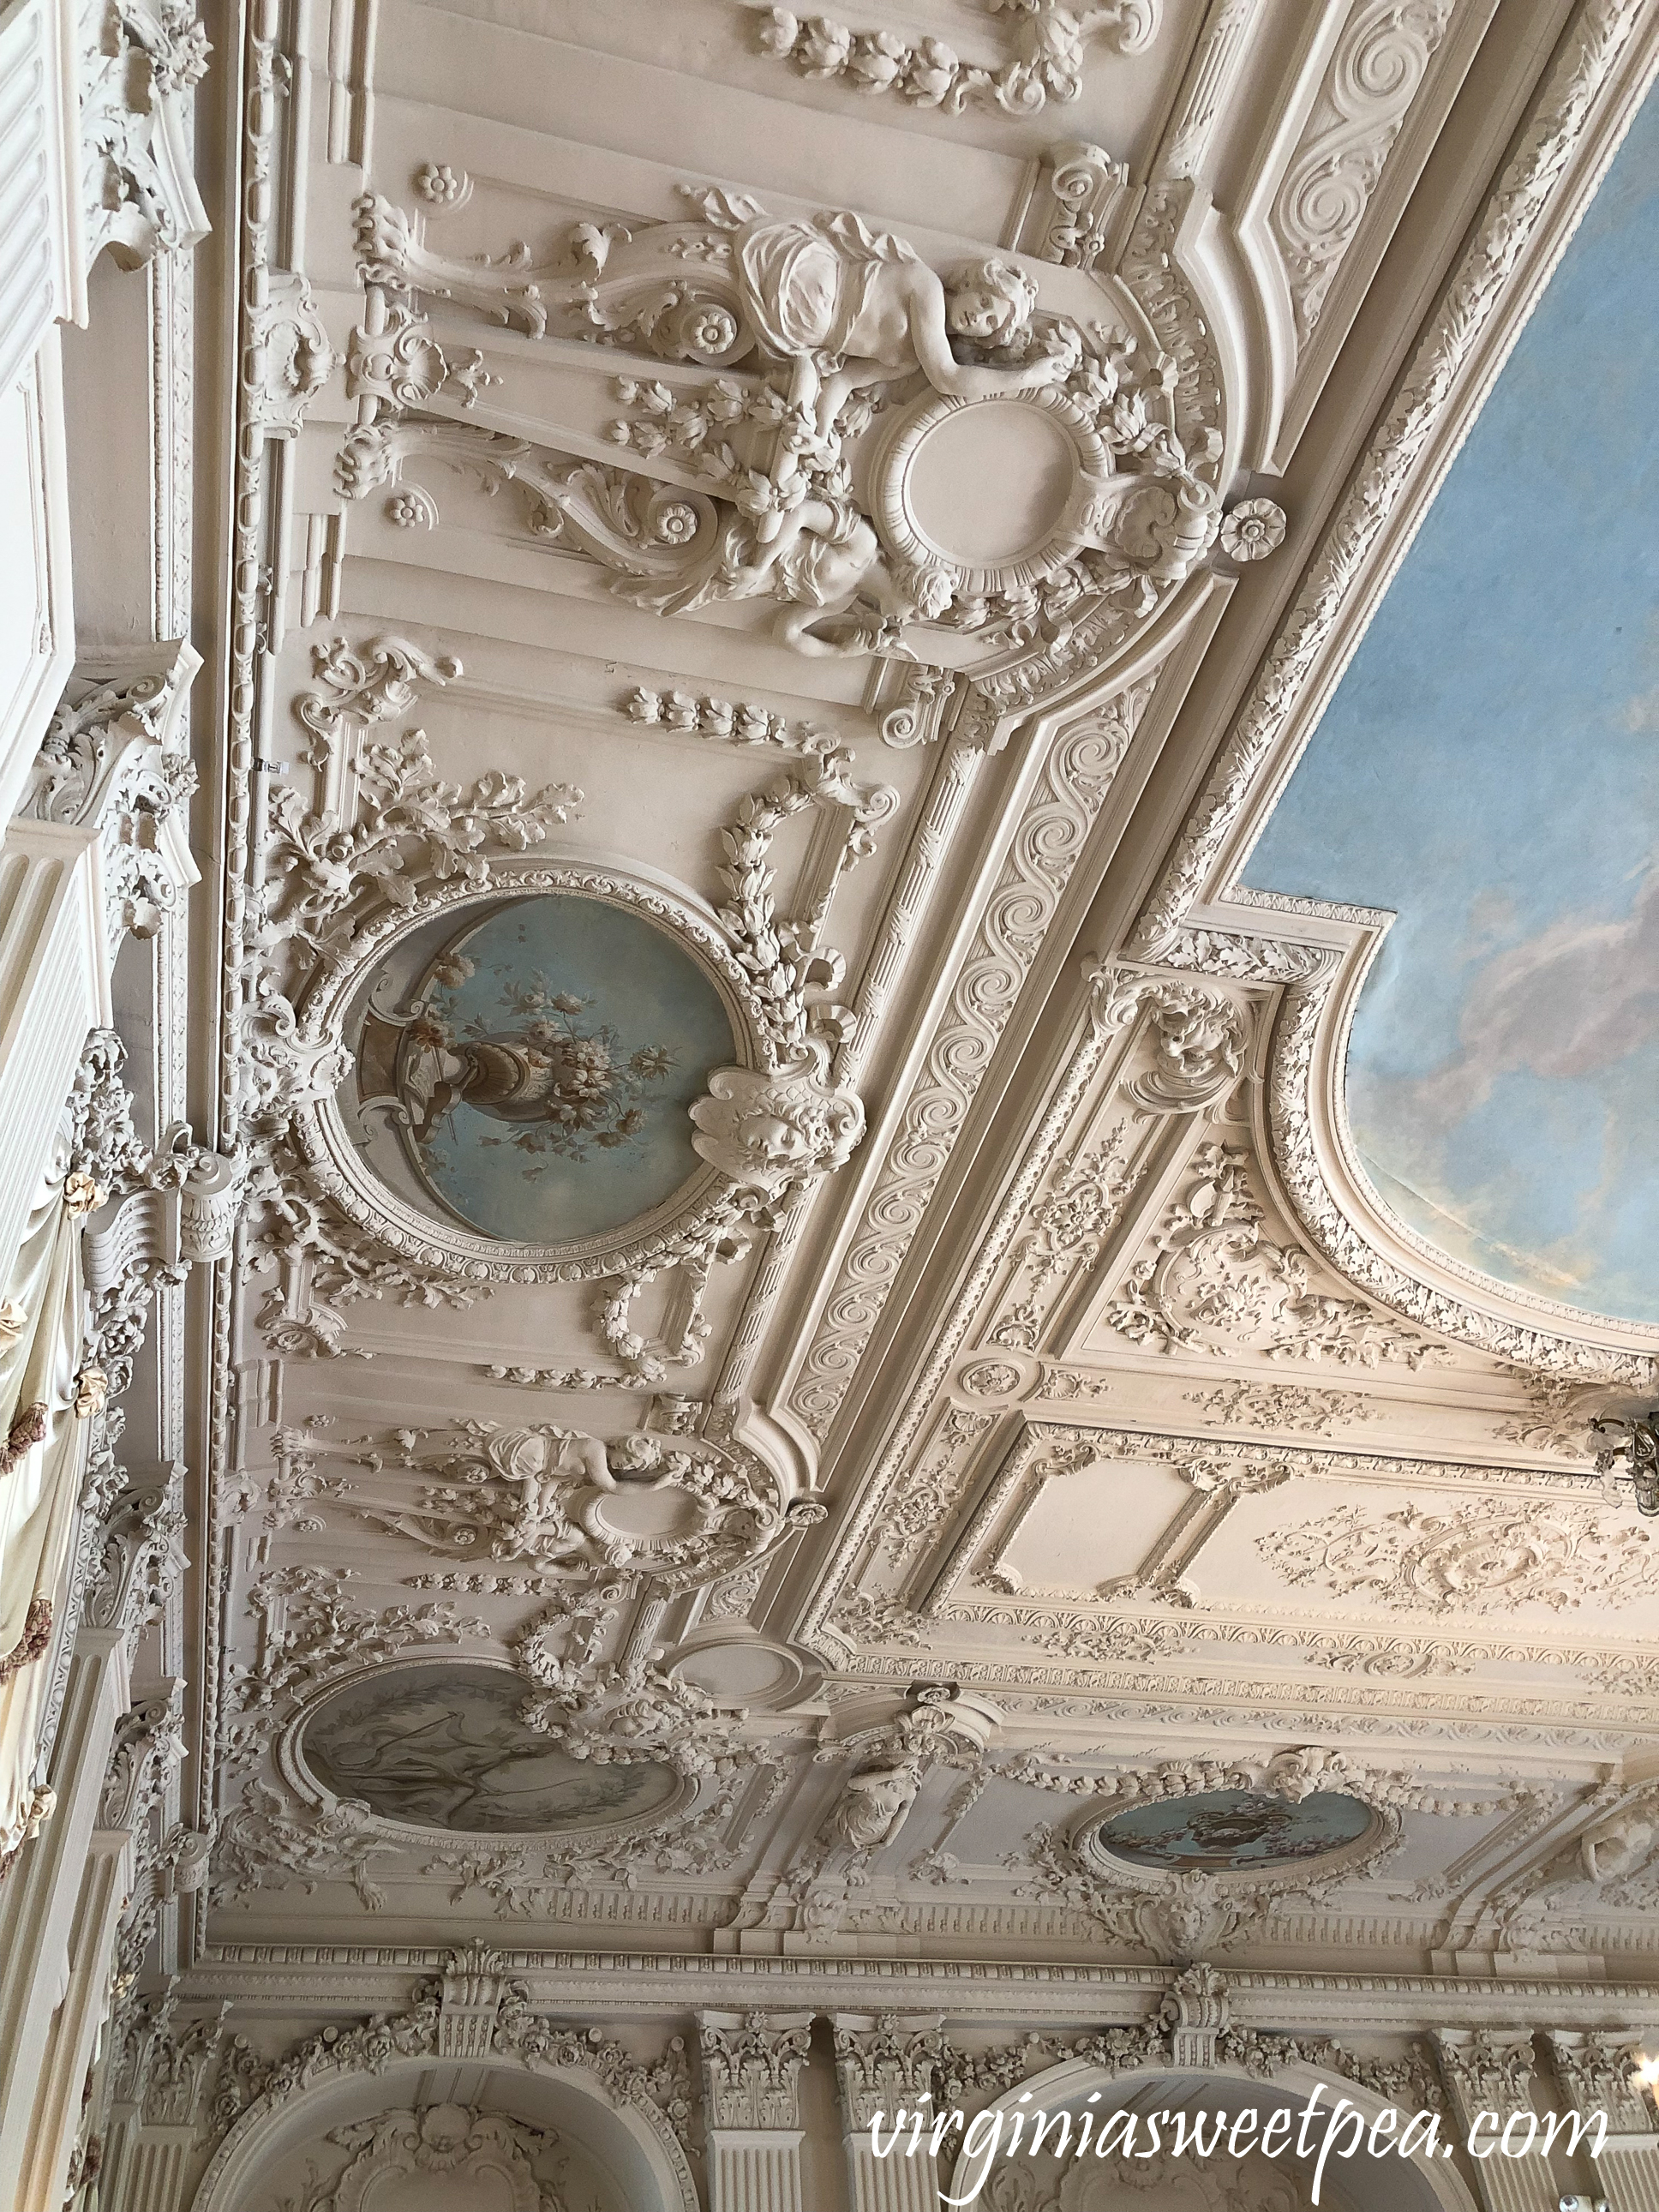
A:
<point x="988" y="483"/>
<point x="745" y="1668"/>
<point x="996" y="493"/>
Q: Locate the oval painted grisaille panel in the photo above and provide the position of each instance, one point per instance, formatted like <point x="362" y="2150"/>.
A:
<point x="443" y="1747"/>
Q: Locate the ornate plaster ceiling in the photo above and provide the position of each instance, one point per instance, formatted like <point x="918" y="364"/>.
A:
<point x="799" y="1220"/>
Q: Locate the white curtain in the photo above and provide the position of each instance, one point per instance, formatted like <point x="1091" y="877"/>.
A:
<point x="41" y="1457"/>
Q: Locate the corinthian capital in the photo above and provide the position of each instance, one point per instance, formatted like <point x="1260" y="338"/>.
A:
<point x="1488" y="2069"/>
<point x="885" y="2061"/>
<point x="750" y="2062"/>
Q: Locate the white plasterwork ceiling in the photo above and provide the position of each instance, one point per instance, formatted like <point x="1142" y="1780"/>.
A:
<point x="790" y="1357"/>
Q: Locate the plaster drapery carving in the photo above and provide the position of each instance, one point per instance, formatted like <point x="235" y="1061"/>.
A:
<point x="1375" y="74"/>
<point x="1477" y="1557"/>
<point x="115" y="759"/>
<point x="540" y="1494"/>
<point x="741" y="486"/>
<point x="1046" y="42"/>
<point x="751" y="2062"/>
<point x="140" y="62"/>
<point x="43" y="1449"/>
<point x="1214" y="1282"/>
<point x="82" y="1296"/>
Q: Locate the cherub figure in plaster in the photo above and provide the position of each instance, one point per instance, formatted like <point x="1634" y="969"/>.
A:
<point x="546" y="1467"/>
<point x="850" y="307"/>
<point x="822" y="557"/>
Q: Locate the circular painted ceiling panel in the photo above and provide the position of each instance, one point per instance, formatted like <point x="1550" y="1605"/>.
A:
<point x="529" y="1074"/>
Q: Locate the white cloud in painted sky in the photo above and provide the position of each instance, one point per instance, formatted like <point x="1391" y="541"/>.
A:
<point x="1579" y="996"/>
